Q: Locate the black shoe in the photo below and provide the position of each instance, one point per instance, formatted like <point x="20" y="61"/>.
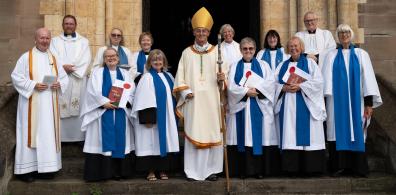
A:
<point x="212" y="177"/>
<point x="28" y="177"/>
<point x="191" y="179"/>
<point x="45" y="176"/>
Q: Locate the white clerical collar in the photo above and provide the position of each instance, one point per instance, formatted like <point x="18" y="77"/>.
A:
<point x="201" y="48"/>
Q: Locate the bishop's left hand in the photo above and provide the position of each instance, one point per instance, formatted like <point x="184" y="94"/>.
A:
<point x="220" y="77"/>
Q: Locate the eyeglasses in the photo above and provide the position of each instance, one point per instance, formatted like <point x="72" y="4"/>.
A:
<point x="248" y="48"/>
<point x="311" y="20"/>
<point x="111" y="56"/>
<point x="116" y="35"/>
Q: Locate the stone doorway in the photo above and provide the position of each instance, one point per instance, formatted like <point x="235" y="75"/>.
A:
<point x="171" y="27"/>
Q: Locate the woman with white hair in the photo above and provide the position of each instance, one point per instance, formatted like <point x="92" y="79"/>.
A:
<point x="351" y="92"/>
<point x="300" y="112"/>
<point x="229" y="47"/>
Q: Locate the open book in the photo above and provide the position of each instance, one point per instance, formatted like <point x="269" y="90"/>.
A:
<point x="120" y="92"/>
<point x="295" y="75"/>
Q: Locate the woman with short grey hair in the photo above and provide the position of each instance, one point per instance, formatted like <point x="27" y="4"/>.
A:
<point x="351" y="93"/>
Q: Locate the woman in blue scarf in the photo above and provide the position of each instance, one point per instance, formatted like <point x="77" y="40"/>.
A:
<point x="351" y="93"/>
<point x="300" y="112"/>
<point x="139" y="58"/>
<point x="156" y="136"/>
<point x="252" y="140"/>
<point x="273" y="53"/>
<point x="109" y="143"/>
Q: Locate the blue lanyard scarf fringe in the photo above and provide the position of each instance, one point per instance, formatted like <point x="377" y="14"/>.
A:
<point x="267" y="57"/>
<point x="256" y="116"/>
<point x="342" y="103"/>
<point x="113" y="132"/>
<point x="302" y="112"/>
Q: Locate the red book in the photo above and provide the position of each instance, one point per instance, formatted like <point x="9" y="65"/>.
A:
<point x="115" y="95"/>
<point x="295" y="79"/>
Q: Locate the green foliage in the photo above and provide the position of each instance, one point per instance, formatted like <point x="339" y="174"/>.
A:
<point x="95" y="190"/>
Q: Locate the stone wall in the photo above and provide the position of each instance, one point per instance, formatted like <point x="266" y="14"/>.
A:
<point x="18" y="19"/>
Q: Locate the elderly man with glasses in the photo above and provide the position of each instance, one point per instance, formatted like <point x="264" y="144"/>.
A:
<point x="317" y="41"/>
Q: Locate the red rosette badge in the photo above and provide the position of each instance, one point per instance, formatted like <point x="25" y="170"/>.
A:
<point x="127" y="86"/>
<point x="248" y="73"/>
<point x="292" y="69"/>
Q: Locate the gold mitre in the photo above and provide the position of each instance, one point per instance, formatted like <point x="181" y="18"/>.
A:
<point x="202" y="18"/>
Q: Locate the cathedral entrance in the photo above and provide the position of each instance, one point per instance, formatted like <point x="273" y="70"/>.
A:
<point x="170" y="22"/>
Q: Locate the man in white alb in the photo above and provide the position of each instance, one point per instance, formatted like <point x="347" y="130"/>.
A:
<point x="74" y="56"/>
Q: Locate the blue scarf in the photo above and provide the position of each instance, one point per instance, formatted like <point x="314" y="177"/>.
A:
<point x="141" y="61"/>
<point x="267" y="57"/>
<point x="122" y="55"/>
<point x="302" y="112"/>
<point x="256" y="116"/>
<point x="341" y="102"/>
<point x="113" y="132"/>
<point x="160" y="97"/>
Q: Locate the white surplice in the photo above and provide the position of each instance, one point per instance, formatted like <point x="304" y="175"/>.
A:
<point x="319" y="43"/>
<point x="44" y="157"/>
<point x="368" y="86"/>
<point x="312" y="92"/>
<point x="231" y="52"/>
<point x="146" y="138"/>
<point x="273" y="57"/>
<point x="237" y="92"/>
<point x="75" y="51"/>
<point x="91" y="113"/>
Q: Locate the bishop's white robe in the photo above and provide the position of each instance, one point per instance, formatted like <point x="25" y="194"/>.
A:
<point x="197" y="74"/>
<point x="273" y="57"/>
<point x="43" y="157"/>
<point x="319" y="43"/>
<point x="147" y="138"/>
<point x="75" y="51"/>
<point x="231" y="52"/>
<point x="91" y="113"/>
<point x="368" y="86"/>
<point x="237" y="92"/>
<point x="312" y="91"/>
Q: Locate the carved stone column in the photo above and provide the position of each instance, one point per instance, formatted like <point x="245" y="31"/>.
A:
<point x="274" y="14"/>
<point x="348" y="14"/>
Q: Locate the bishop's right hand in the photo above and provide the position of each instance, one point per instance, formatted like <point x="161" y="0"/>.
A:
<point x="189" y="96"/>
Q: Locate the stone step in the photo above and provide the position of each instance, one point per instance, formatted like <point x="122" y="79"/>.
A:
<point x="73" y="167"/>
<point x="374" y="184"/>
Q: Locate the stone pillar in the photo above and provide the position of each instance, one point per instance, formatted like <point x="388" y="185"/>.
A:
<point x="320" y="7"/>
<point x="127" y="15"/>
<point x="332" y="15"/>
<point x="348" y="14"/>
<point x="292" y="19"/>
<point x="274" y="14"/>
